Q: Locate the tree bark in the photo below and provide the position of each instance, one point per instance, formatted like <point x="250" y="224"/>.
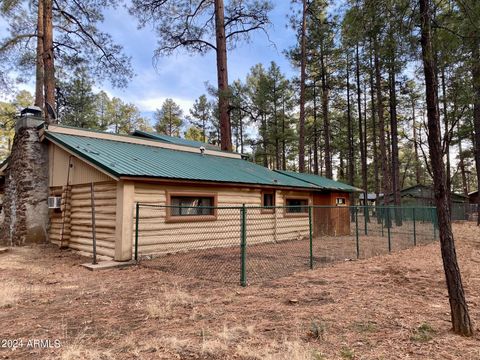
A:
<point x="351" y="156"/>
<point x="363" y="155"/>
<point x="48" y="61"/>
<point x="326" y="120"/>
<point x="303" y="54"/>
<point x="458" y="306"/>
<point x="394" y="136"/>
<point x="374" y="131"/>
<point x="381" y="124"/>
<point x="447" y="139"/>
<point x="476" y="111"/>
<point x="39" y="72"/>
<point x="415" y="142"/>
<point x="222" y="74"/>
<point x="315" y="129"/>
<point x="275" y="124"/>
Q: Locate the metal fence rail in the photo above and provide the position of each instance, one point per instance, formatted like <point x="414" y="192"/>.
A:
<point x="250" y="244"/>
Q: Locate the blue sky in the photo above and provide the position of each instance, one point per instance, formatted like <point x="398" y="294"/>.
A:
<point x="182" y="77"/>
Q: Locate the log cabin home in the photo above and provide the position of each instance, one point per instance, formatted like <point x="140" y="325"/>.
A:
<point x="149" y="168"/>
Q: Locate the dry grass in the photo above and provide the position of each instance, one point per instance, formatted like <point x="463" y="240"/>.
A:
<point x="389" y="307"/>
<point x="281" y="350"/>
<point x="84" y="352"/>
<point x="9" y="293"/>
<point x="163" y="304"/>
<point x="79" y="348"/>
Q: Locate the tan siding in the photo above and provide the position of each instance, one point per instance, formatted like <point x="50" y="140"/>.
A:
<point x="157" y="236"/>
<point x="80" y="172"/>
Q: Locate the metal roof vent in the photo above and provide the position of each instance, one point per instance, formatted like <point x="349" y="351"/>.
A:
<point x="202" y="150"/>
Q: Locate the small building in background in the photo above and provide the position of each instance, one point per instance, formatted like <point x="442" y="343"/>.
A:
<point x="423" y="195"/>
<point x="473" y="197"/>
<point x="371" y="199"/>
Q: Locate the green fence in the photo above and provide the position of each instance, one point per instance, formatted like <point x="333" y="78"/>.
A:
<point x="250" y="244"/>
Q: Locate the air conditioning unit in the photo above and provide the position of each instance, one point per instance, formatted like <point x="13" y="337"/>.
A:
<point x="54" y="202"/>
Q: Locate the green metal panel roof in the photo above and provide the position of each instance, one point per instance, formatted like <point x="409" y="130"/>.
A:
<point x="174" y="140"/>
<point x="125" y="159"/>
<point x="320" y="181"/>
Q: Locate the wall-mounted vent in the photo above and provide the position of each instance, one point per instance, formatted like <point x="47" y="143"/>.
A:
<point x="54" y="202"/>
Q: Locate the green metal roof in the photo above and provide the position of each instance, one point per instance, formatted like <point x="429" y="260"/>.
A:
<point x="174" y="140"/>
<point x="320" y="181"/>
<point x="137" y="160"/>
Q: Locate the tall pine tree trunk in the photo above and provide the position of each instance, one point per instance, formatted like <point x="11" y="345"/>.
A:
<point x="394" y="139"/>
<point x="381" y="125"/>
<point x="39" y="72"/>
<point x="315" y="129"/>
<point x="222" y="74"/>
<point x="275" y="131"/>
<point x="446" y="141"/>
<point x="48" y="61"/>
<point x="458" y="306"/>
<point x="415" y="142"/>
<point x="326" y="119"/>
<point x="303" y="55"/>
<point x="351" y="156"/>
<point x="374" y="130"/>
<point x="363" y="156"/>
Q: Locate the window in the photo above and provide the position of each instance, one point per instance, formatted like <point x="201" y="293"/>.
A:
<point x="296" y="206"/>
<point x="341" y="201"/>
<point x="268" y="202"/>
<point x="191" y="207"/>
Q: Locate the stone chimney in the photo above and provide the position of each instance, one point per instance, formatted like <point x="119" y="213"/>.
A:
<point x="25" y="208"/>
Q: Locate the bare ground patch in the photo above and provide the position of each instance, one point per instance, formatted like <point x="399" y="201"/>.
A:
<point x="387" y="307"/>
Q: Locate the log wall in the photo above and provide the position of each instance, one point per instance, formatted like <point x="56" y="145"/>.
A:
<point x="157" y="235"/>
<point x="75" y="218"/>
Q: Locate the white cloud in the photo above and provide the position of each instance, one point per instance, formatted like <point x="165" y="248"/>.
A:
<point x="153" y="103"/>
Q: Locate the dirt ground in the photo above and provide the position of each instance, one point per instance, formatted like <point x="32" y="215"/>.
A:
<point x="386" y="307"/>
<point x="271" y="260"/>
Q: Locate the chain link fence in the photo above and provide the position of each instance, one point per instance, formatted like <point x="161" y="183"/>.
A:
<point x="250" y="245"/>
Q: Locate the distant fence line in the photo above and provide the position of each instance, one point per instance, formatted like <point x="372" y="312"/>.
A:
<point x="252" y="244"/>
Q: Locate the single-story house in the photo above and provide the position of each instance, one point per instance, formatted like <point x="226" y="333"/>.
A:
<point x="155" y="169"/>
<point x="473" y="197"/>
<point x="423" y="195"/>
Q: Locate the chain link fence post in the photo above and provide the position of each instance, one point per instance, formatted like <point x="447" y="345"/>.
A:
<point x="434" y="222"/>
<point x="137" y="213"/>
<point x="389" y="222"/>
<point x="367" y="218"/>
<point x="414" y="228"/>
<point x="310" y="234"/>
<point x="357" y="243"/>
<point x="243" y="245"/>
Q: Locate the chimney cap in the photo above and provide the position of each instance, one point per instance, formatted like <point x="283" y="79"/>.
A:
<point x="31" y="110"/>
